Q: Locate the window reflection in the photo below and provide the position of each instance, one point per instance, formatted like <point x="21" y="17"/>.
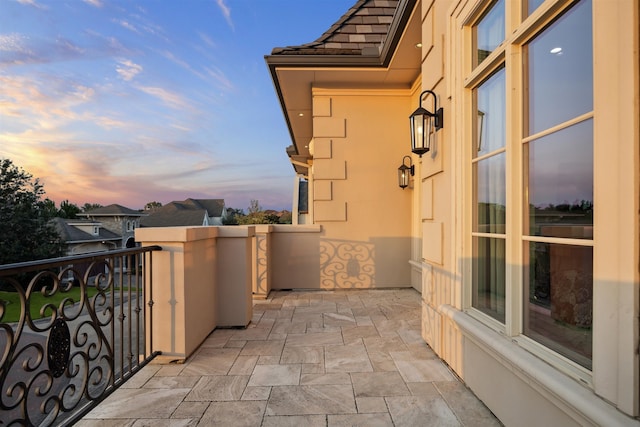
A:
<point x="489" y="176"/>
<point x="560" y="72"/>
<point x="489" y="32"/>
<point x="560" y="183"/>
<point x="559" y="298"/>
<point x="491" y="106"/>
<point x="558" y="186"/>
<point x="489" y="277"/>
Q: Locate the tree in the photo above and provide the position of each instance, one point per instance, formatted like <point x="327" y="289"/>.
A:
<point x="68" y="210"/>
<point x="49" y="209"/>
<point x="25" y="231"/>
<point x="152" y="205"/>
<point x="254" y="207"/>
<point x="257" y="216"/>
<point x="232" y="216"/>
<point x="90" y="206"/>
<point x="286" y="218"/>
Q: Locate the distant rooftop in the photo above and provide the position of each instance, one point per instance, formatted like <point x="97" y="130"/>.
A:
<point x="112" y="210"/>
<point x="213" y="206"/>
<point x="360" y="31"/>
<point x="71" y="234"/>
<point x="188" y="212"/>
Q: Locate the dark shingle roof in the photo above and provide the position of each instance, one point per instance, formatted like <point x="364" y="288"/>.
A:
<point x="173" y="218"/>
<point x="188" y="212"/>
<point x="70" y="234"/>
<point x="112" y="210"/>
<point x="213" y="206"/>
<point x="360" y="31"/>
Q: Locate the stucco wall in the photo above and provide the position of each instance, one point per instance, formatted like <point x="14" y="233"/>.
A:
<point x="360" y="138"/>
<point x="440" y="282"/>
<point x="295" y="257"/>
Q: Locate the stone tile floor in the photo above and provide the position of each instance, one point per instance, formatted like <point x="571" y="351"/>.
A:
<point x="308" y="358"/>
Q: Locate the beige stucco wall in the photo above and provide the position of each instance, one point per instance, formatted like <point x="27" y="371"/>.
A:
<point x="294" y="257"/>
<point x="360" y="138"/>
<point x="184" y="287"/>
<point x="235" y="267"/>
<point x="441" y="283"/>
<point x="617" y="202"/>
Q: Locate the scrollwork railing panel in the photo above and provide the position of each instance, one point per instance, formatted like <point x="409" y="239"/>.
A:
<point x="261" y="264"/>
<point x="70" y="333"/>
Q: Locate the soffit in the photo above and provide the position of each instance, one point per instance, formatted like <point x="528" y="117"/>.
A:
<point x="395" y="64"/>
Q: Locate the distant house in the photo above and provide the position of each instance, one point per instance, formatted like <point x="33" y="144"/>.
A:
<point x="188" y="212"/>
<point x="118" y="219"/>
<point x="82" y="236"/>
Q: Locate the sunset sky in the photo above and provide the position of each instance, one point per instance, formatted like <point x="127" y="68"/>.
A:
<point x="135" y="101"/>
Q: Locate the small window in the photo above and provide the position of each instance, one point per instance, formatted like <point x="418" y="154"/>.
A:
<point x="129" y="228"/>
<point x="489" y="32"/>
<point x="96" y="230"/>
<point x="559" y="71"/>
<point x="532" y="5"/>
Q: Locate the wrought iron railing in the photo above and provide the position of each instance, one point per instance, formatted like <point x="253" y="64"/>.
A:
<point x="72" y="330"/>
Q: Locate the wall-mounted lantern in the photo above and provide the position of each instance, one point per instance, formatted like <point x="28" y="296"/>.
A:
<point x="424" y="124"/>
<point x="404" y="171"/>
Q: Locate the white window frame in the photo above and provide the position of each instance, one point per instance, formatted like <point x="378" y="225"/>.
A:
<point x="615" y="376"/>
<point x="510" y="53"/>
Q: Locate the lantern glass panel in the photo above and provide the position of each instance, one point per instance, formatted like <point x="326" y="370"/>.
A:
<point x="422" y="127"/>
<point x="429" y="126"/>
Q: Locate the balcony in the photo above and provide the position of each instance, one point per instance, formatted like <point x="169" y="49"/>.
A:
<point x="235" y="328"/>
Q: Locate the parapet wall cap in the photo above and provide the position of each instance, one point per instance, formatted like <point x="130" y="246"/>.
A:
<point x="236" y="231"/>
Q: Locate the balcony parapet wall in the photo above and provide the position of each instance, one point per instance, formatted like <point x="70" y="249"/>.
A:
<point x="206" y="277"/>
<point x="293" y="259"/>
<point x="285" y="257"/>
<point x="234" y="276"/>
<point x="202" y="280"/>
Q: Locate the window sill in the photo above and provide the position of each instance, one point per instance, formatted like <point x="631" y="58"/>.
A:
<point x="535" y="371"/>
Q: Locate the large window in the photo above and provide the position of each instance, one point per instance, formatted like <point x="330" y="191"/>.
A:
<point x="531" y="152"/>
<point x="558" y="186"/>
<point x="489" y="203"/>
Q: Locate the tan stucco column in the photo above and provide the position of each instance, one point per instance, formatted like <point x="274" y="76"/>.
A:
<point x="183" y="285"/>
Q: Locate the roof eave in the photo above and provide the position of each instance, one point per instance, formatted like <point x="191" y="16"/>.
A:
<point x="312" y="61"/>
<point x="381" y="60"/>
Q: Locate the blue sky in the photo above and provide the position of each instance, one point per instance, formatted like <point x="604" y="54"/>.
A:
<point x="157" y="100"/>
